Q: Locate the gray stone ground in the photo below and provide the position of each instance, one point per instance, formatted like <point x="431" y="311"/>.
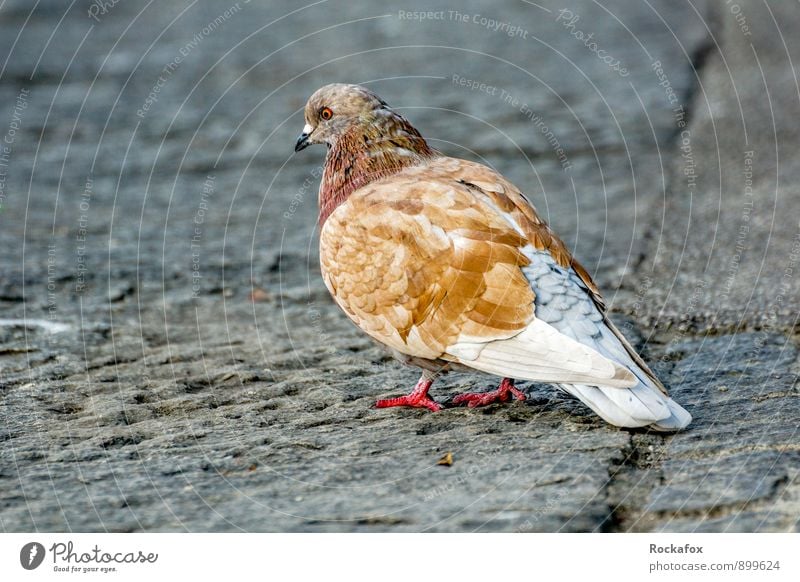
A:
<point x="149" y="391"/>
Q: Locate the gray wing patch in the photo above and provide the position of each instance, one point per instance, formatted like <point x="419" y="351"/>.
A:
<point x="562" y="299"/>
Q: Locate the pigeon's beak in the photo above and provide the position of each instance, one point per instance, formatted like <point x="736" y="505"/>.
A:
<point x="302" y="141"/>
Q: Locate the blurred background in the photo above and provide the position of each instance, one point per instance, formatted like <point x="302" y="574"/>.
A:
<point x="170" y="359"/>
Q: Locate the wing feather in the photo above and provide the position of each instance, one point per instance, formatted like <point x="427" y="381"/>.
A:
<point x="541" y="353"/>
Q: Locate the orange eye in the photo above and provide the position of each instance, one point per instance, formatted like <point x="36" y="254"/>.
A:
<point x="325" y="113"/>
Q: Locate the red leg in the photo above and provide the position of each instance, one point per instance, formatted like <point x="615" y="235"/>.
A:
<point x="418" y="398"/>
<point x="502" y="394"/>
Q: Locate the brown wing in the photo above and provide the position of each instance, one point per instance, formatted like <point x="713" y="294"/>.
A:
<point x="508" y="199"/>
<point x="417" y="264"/>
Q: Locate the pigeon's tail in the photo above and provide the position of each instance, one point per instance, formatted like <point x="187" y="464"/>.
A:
<point x="642" y="405"/>
<point x="646" y="404"/>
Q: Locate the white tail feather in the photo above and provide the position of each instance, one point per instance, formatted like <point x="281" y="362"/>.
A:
<point x="541" y="353"/>
<point x="632" y="413"/>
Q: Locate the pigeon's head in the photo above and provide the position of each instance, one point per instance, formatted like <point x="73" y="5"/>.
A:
<point x="336" y="109"/>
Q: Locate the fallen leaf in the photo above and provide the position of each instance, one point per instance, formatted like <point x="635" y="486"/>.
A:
<point x="447" y="460"/>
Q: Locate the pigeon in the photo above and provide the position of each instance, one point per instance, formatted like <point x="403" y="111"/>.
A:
<point x="447" y="263"/>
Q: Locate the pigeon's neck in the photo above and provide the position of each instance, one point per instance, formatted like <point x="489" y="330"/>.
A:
<point x="367" y="153"/>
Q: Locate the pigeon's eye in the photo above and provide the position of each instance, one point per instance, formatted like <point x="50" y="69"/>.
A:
<point x="325" y="113"/>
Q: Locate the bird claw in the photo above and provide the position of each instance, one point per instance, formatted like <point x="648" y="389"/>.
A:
<point x="417" y="399"/>
<point x="410" y="400"/>
<point x="502" y="394"/>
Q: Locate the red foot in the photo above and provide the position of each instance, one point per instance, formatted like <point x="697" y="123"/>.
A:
<point x="502" y="394"/>
<point x="418" y="398"/>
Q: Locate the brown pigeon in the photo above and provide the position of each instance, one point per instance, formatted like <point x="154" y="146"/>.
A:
<point x="446" y="263"/>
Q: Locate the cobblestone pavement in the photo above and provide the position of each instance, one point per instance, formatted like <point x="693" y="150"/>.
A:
<point x="170" y="359"/>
